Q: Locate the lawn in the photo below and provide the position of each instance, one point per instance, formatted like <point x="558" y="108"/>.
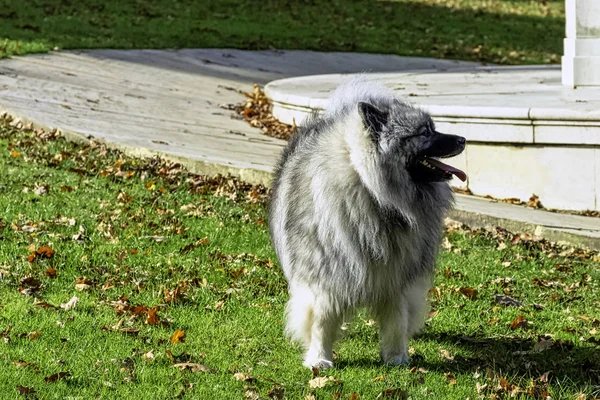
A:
<point x="497" y="31"/>
<point x="180" y="295"/>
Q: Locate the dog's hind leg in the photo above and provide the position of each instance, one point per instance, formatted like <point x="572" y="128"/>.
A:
<point x="393" y="319"/>
<point x="325" y="325"/>
<point x="299" y="315"/>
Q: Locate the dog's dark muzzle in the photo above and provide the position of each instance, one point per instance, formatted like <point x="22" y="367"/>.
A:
<point x="443" y="145"/>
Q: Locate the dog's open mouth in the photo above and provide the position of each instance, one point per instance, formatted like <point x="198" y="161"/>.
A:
<point x="438" y="167"/>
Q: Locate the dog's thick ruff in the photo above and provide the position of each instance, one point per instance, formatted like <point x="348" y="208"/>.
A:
<point x="356" y="218"/>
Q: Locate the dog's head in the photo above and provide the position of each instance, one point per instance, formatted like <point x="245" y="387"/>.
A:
<point x="406" y="135"/>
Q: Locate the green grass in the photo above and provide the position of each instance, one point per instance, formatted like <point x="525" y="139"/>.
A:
<point x="499" y="31"/>
<point x="234" y="294"/>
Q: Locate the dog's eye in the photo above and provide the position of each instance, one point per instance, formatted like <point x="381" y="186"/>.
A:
<point x="424" y="130"/>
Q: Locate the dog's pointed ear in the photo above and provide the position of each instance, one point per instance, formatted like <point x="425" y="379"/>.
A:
<point x="373" y="118"/>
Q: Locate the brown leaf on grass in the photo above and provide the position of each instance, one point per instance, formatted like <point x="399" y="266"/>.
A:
<point x="44" y="305"/>
<point x="354" y="396"/>
<point x="15" y="154"/>
<point x="173" y="296"/>
<point x="505" y="386"/>
<point x="42" y="252"/>
<point x="117" y="328"/>
<point x="321" y="381"/>
<point x="178" y="337"/>
<point x="543" y="345"/>
<point x="193" y="367"/>
<point x="450" y="379"/>
<point x="71" y="304"/>
<point x="124" y="197"/>
<point x="33" y="335"/>
<point x="393" y="394"/>
<point x="55" y="377"/>
<point x="445" y="355"/>
<point x="51" y="273"/>
<point x="82" y="284"/>
<point x="25" y="390"/>
<point x="23" y="364"/>
<point x="436" y="293"/>
<point x="152" y="318"/>
<point x="507" y="301"/>
<point x="250" y="394"/>
<point x="42" y="190"/>
<point x="277" y="393"/>
<point x="545" y="283"/>
<point x="29" y="285"/>
<point x="149" y="356"/>
<point x="244" y="377"/>
<point x="66" y="188"/>
<point x="468" y="292"/>
<point x="520" y="322"/>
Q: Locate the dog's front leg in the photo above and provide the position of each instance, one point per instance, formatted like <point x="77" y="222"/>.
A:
<point x="393" y="322"/>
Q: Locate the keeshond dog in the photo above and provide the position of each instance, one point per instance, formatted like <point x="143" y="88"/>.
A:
<point x="356" y="218"/>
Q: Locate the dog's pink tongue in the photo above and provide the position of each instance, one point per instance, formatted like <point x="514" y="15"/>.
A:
<point x="448" y="168"/>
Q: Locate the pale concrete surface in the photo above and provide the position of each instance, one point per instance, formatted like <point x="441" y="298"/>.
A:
<point x="167" y="102"/>
<point x="527" y="133"/>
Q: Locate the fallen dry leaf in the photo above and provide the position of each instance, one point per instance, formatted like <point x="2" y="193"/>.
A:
<point x="520" y="322"/>
<point x="445" y="354"/>
<point x="25" y="390"/>
<point x="23" y="364"/>
<point x="468" y="292"/>
<point x="149" y="356"/>
<point x="71" y="304"/>
<point x="193" y="367"/>
<point x="543" y="345"/>
<point x="152" y="318"/>
<point x="250" y="395"/>
<point x="450" y="379"/>
<point x="82" y="284"/>
<point x="178" y="337"/>
<point x="44" y="305"/>
<point x="244" y="377"/>
<point x="51" y="273"/>
<point x="33" y="335"/>
<point x="57" y="376"/>
<point x="507" y="301"/>
<point x="277" y="394"/>
<point x="42" y="252"/>
<point x="321" y="381"/>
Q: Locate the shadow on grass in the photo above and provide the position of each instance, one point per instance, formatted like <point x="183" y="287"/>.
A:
<point x="392" y="27"/>
<point x="577" y="363"/>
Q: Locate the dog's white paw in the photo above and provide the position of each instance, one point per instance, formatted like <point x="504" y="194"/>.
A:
<point x="319" y="364"/>
<point x="397" y="359"/>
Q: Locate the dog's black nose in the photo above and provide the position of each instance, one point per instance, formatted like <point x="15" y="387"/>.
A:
<point x="461" y="140"/>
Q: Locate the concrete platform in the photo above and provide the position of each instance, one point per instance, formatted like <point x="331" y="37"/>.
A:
<point x="167" y="102"/>
<point x="527" y="133"/>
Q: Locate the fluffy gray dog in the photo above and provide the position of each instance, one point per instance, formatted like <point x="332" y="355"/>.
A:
<point x="356" y="217"/>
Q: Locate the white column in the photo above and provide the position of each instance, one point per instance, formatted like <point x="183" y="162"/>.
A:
<point x="581" y="61"/>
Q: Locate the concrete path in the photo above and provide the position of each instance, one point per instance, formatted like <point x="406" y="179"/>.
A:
<point x="168" y="102"/>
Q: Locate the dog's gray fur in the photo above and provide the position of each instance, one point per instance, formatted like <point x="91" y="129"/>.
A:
<point x="350" y="227"/>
